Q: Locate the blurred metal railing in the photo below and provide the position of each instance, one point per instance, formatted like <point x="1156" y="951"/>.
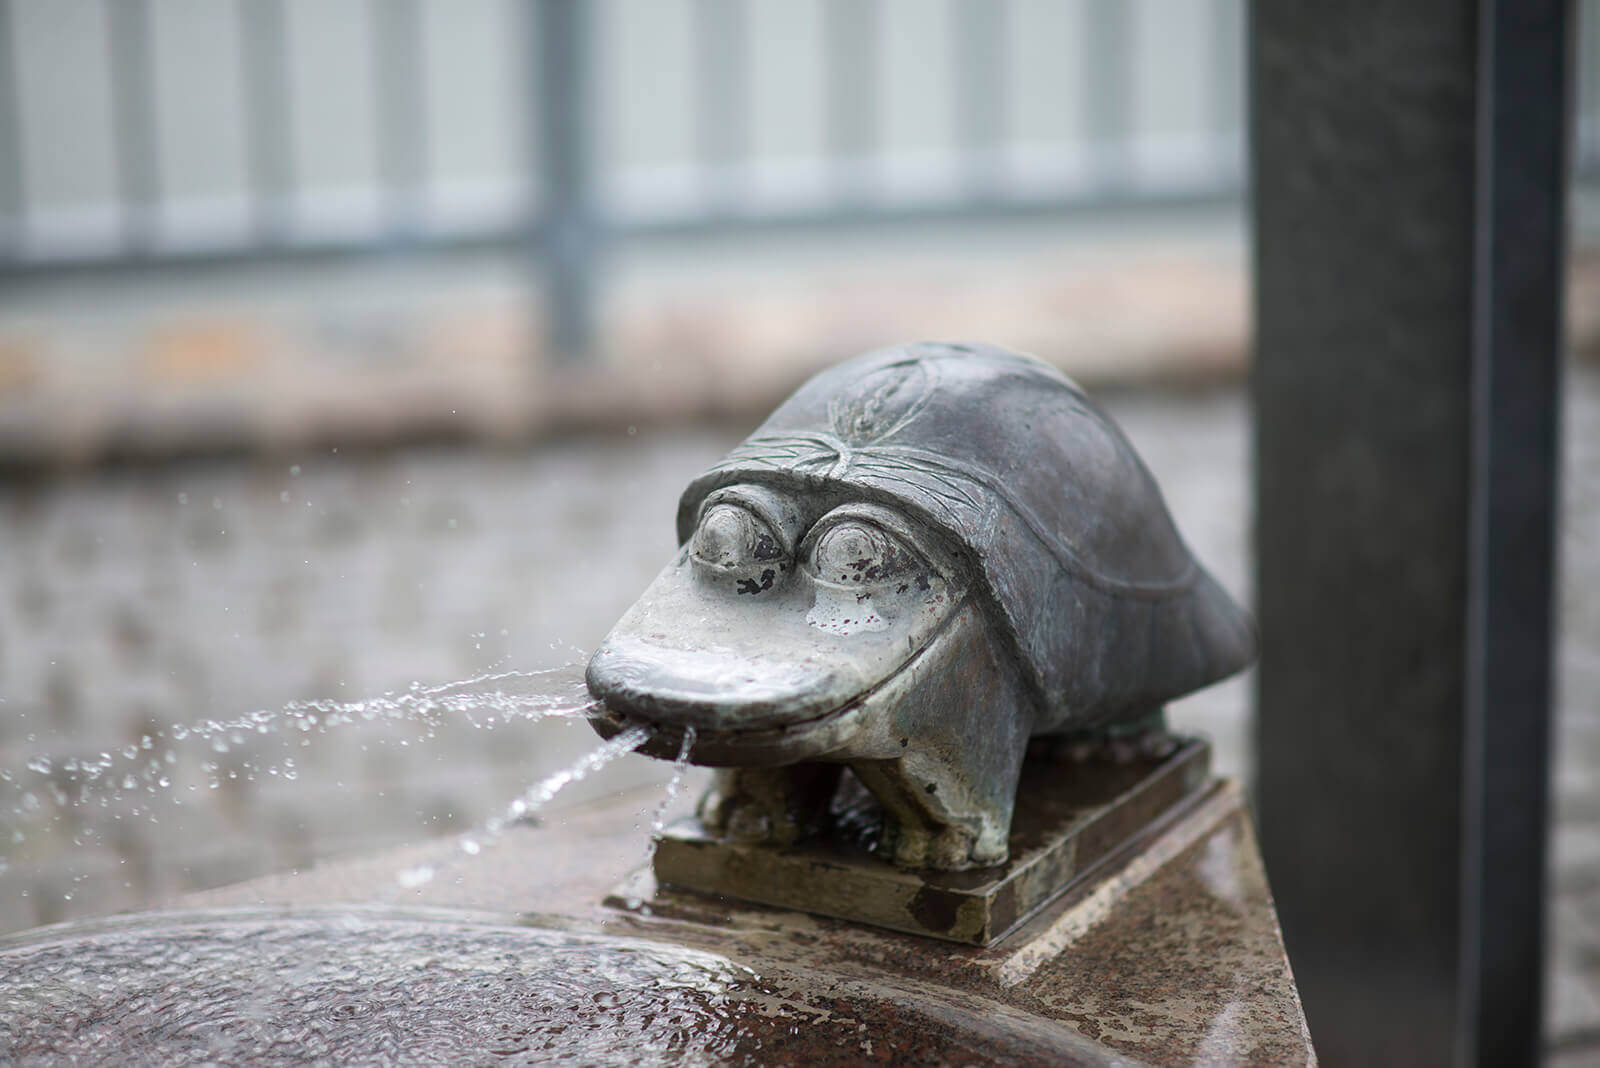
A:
<point x="571" y="205"/>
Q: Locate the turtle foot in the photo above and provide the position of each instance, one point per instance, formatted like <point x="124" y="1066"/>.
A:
<point x="1145" y="738"/>
<point x="777" y="806"/>
<point x="944" y="848"/>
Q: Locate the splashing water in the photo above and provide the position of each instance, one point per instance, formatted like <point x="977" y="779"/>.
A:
<point x="67" y="816"/>
<point x="432" y="703"/>
<point x="108" y="775"/>
<point x="429" y="706"/>
<point x="540" y="793"/>
<point x="527" y="804"/>
<point x="658" y="820"/>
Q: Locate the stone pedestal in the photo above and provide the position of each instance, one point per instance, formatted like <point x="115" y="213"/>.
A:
<point x="1073" y="820"/>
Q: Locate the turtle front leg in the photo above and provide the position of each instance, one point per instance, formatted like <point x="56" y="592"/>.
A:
<point x="779" y="806"/>
<point x="938" y="814"/>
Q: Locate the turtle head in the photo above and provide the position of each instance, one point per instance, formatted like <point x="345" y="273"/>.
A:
<point x="771" y="630"/>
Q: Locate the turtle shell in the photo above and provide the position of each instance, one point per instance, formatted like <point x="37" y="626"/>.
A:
<point x="1058" y="523"/>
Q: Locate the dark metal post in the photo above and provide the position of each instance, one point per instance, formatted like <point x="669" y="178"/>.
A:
<point x="981" y="93"/>
<point x="722" y="114"/>
<point x="1107" y="74"/>
<point x="133" y="113"/>
<point x="1409" y="170"/>
<point x="1588" y="140"/>
<point x="269" y="150"/>
<point x="400" y="70"/>
<point x="1227" y="88"/>
<point x="569" y="228"/>
<point x="1524" y="132"/>
<point x="12" y="198"/>
<point x="853" y="65"/>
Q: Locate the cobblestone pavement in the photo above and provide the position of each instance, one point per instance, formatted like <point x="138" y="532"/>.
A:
<point x="132" y="599"/>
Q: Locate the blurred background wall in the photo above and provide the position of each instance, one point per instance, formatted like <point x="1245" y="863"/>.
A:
<point x="173" y="127"/>
<point x="347" y="203"/>
<point x="347" y="345"/>
<point x="279" y="222"/>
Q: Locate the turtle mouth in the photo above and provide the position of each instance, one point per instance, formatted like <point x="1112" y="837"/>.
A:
<point x="781" y="743"/>
<point x="763" y="742"/>
<point x="788" y="693"/>
<point x="737" y="716"/>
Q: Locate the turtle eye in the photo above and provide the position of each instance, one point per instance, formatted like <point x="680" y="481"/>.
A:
<point x="853" y="552"/>
<point x="733" y="542"/>
<point x="731" y="536"/>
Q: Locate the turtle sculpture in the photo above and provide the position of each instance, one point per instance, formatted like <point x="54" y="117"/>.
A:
<point x="925" y="557"/>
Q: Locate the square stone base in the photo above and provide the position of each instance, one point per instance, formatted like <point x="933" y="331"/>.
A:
<point x="1071" y="817"/>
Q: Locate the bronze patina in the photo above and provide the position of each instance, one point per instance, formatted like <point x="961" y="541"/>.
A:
<point x="924" y="558"/>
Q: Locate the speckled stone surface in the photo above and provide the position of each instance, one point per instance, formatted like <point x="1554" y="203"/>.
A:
<point x="1071" y="819"/>
<point x="1174" y="958"/>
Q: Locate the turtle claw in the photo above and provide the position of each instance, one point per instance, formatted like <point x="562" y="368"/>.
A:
<point x="1146" y="739"/>
<point x="946" y="848"/>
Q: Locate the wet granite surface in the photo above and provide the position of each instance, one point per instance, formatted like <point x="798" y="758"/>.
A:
<point x="270" y="987"/>
<point x="1174" y="958"/>
<point x="1185" y="966"/>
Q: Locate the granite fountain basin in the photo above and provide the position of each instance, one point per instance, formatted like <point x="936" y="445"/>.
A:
<point x="350" y="985"/>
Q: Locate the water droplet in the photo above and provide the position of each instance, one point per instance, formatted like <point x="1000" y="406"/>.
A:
<point x="412" y="878"/>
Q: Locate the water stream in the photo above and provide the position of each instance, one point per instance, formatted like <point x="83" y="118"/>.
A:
<point x="110" y="776"/>
<point x="680" y="766"/>
<point x="58" y="807"/>
<point x="427" y="705"/>
<point x="527" y="804"/>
